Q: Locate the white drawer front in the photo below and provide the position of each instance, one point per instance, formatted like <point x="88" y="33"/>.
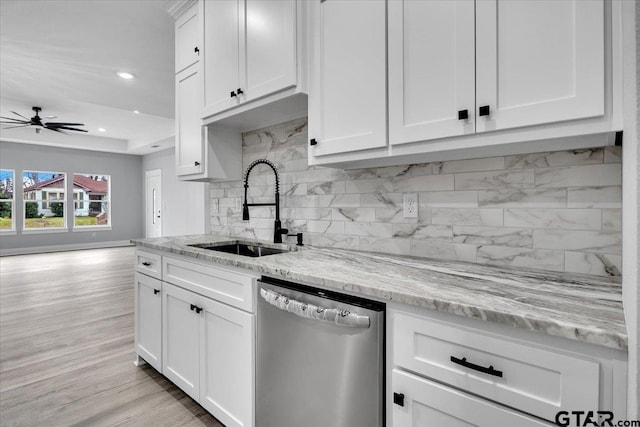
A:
<point x="217" y="283"/>
<point x="533" y="380"/>
<point x="429" y="404"/>
<point x="149" y="263"/>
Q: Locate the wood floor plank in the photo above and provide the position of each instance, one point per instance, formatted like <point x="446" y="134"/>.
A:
<point x="66" y="346"/>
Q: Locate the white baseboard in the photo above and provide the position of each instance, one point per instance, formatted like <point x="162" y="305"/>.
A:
<point x="61" y="248"/>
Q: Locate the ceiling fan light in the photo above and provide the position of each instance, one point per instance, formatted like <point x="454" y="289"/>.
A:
<point x="125" y="75"/>
<point x="136" y="112"/>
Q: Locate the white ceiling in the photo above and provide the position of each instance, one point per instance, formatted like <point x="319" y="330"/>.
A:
<point x="63" y="56"/>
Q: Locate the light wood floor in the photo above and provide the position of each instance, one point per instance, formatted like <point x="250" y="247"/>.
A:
<point x="66" y="346"/>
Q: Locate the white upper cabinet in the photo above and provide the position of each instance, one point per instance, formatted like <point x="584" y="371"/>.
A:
<point x="270" y="46"/>
<point x="347" y="76"/>
<point x="249" y="50"/>
<point x="466" y="79"/>
<point x="189" y="140"/>
<point x="431" y="69"/>
<point x="187" y="49"/>
<point x="539" y="62"/>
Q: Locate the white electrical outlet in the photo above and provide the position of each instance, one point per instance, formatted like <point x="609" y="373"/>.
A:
<point x="410" y="205"/>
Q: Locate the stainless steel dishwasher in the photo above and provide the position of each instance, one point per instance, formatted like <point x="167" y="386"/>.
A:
<point x="320" y="358"/>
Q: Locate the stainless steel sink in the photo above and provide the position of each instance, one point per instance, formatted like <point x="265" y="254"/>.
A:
<point x="245" y="249"/>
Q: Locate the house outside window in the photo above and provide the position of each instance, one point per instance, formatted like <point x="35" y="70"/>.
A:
<point x="7" y="200"/>
<point x="44" y="199"/>
<point x="91" y="200"/>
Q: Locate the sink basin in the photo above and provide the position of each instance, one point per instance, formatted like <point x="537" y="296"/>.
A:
<point x="245" y="249"/>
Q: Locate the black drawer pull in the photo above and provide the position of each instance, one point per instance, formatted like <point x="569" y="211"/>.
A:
<point x="313" y="141"/>
<point x="475" y="367"/>
<point x="398" y="399"/>
<point x="146" y="264"/>
<point x="196" y="308"/>
<point x="196" y="50"/>
<point x="484" y="110"/>
<point x="196" y="163"/>
<point x="463" y="114"/>
<point x="156" y="291"/>
<point x="240" y="91"/>
<point x="233" y="94"/>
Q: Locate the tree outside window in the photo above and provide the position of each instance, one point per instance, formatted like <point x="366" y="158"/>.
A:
<point x="91" y="200"/>
<point x="6" y="200"/>
<point x="44" y="199"/>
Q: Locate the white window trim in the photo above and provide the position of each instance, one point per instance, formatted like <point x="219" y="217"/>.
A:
<point x="13" y="230"/>
<point x="43" y="230"/>
<point x="108" y="201"/>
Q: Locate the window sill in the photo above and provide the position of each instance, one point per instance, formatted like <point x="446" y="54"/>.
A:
<point x="92" y="228"/>
<point x="43" y="230"/>
<point x="8" y="232"/>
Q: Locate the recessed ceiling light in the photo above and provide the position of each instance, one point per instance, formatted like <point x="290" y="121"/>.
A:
<point x="102" y="130"/>
<point x="136" y="112"/>
<point x="125" y="75"/>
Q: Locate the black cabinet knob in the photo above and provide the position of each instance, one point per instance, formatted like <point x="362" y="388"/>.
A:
<point x="398" y="399"/>
<point x="146" y="264"/>
<point x="196" y="163"/>
<point x="196" y="50"/>
<point x="484" y="110"/>
<point x="463" y="114"/>
<point x="313" y="141"/>
<point x="233" y="94"/>
<point x="240" y="91"/>
<point x="156" y="291"/>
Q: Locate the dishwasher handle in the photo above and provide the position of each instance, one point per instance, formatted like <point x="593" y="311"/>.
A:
<point x="314" y="312"/>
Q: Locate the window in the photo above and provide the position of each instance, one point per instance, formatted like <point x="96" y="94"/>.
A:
<point x="44" y="199"/>
<point x="6" y="200"/>
<point x="91" y="197"/>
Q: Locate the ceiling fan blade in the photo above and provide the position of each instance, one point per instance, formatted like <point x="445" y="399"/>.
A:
<point x="15" y="120"/>
<point x="51" y="117"/>
<point x="56" y="130"/>
<point x="65" y="128"/>
<point x="18" y="114"/>
<point x="18" y="126"/>
<point x="53" y="124"/>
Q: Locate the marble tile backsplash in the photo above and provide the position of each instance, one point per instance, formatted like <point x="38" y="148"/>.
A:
<point x="558" y="211"/>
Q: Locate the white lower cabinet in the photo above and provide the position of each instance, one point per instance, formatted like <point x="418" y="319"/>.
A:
<point x="208" y="352"/>
<point x="181" y="339"/>
<point x="227" y="368"/>
<point x="447" y="371"/>
<point x="148" y="319"/>
<point x="426" y="403"/>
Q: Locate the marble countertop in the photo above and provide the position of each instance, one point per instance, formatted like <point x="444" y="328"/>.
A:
<point x="578" y="307"/>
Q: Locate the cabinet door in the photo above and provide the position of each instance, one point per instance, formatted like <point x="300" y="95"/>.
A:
<point x="181" y="339"/>
<point x="430" y="404"/>
<point x="269" y="42"/>
<point x="187" y="50"/>
<point x="189" y="141"/>
<point x="431" y="69"/>
<point x="148" y="320"/>
<point x="347" y="99"/>
<point x="220" y="29"/>
<point x="227" y="363"/>
<point x="539" y="61"/>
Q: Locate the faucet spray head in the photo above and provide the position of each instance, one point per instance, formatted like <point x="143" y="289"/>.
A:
<point x="245" y="211"/>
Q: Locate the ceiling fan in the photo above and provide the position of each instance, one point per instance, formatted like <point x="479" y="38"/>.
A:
<point x="37" y="121"/>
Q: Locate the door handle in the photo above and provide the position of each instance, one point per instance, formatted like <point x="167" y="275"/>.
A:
<point x="489" y="370"/>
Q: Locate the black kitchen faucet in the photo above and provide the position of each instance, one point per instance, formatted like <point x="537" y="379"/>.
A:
<point x="278" y="230"/>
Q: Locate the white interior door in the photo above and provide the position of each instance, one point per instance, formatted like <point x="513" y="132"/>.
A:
<point x="153" y="203"/>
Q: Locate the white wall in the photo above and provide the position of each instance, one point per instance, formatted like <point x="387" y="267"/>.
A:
<point x="184" y="207"/>
<point x="631" y="198"/>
